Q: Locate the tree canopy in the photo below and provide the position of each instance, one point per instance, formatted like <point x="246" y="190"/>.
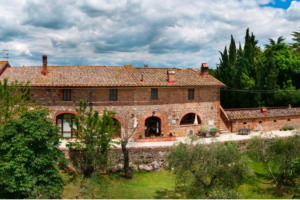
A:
<point x="29" y="156"/>
<point x="258" y="77"/>
<point x="208" y="170"/>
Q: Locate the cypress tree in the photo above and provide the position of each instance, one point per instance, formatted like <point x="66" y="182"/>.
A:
<point x="232" y="52"/>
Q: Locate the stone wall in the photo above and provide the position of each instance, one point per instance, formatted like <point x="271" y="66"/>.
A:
<point x="171" y="106"/>
<point x="141" y="155"/>
<point x="266" y="124"/>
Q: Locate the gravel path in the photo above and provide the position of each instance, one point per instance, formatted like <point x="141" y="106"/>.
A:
<point x="225" y="137"/>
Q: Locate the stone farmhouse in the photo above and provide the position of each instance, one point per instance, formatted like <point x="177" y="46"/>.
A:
<point x="156" y="100"/>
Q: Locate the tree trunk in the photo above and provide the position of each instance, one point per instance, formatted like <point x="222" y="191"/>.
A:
<point x="128" y="173"/>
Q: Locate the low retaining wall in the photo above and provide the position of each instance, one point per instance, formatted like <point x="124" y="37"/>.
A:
<point x="136" y="154"/>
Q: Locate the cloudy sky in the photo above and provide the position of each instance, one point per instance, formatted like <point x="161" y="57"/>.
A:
<point x="161" y="33"/>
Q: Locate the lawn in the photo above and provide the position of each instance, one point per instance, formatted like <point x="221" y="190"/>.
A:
<point x="145" y="185"/>
<point x="142" y="186"/>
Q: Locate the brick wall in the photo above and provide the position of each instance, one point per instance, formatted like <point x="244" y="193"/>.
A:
<point x="171" y="106"/>
<point x="266" y="124"/>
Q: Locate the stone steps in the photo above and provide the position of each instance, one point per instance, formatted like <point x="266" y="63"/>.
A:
<point x="223" y="128"/>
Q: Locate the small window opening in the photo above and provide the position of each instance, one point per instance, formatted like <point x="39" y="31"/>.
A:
<point x="191" y="94"/>
<point x="245" y="123"/>
<point x="275" y="121"/>
<point x="67" y="95"/>
<point x="113" y="94"/>
<point x="154" y="94"/>
<point x="260" y="122"/>
<point x="289" y="119"/>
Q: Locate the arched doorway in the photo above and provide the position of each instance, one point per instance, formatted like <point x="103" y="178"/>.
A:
<point x="117" y="128"/>
<point x="62" y="121"/>
<point x="190" y="119"/>
<point x="152" y="126"/>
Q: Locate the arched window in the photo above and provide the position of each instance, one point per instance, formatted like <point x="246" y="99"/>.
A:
<point x="190" y="119"/>
<point x="117" y="132"/>
<point x="62" y="121"/>
<point x="152" y="126"/>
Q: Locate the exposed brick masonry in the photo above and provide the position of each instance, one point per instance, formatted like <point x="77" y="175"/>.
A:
<point x="172" y="104"/>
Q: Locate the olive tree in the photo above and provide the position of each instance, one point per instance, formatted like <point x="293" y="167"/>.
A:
<point x="93" y="139"/>
<point x="129" y="128"/>
<point x="208" y="170"/>
<point x="277" y="155"/>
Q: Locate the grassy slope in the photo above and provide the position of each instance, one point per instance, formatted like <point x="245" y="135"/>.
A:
<point x="145" y="185"/>
<point x="142" y="186"/>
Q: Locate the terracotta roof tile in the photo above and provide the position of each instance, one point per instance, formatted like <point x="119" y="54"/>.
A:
<point x="253" y="114"/>
<point x="106" y="76"/>
<point x="2" y="63"/>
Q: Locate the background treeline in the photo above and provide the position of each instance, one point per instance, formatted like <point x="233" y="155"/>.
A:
<point x="273" y="70"/>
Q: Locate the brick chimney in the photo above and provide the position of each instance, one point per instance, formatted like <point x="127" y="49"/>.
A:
<point x="204" y="70"/>
<point x="44" y="68"/>
<point x="264" y="110"/>
<point x="171" y="76"/>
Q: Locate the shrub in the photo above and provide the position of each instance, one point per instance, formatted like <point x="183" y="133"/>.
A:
<point x="208" y="171"/>
<point x="214" y="129"/>
<point x="290" y="128"/>
<point x="29" y="157"/>
<point x="285" y="128"/>
<point x="227" y="143"/>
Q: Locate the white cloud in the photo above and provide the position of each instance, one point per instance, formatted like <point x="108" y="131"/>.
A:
<point x="293" y="12"/>
<point x="169" y="33"/>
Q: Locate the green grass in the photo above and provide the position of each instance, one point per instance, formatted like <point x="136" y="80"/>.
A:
<point x="257" y="190"/>
<point x="142" y="186"/>
<point x="145" y="185"/>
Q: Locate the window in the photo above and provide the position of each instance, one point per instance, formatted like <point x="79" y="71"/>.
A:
<point x="67" y="95"/>
<point x="245" y="123"/>
<point x="113" y="94"/>
<point x="275" y="121"/>
<point x="154" y="94"/>
<point x="62" y="121"/>
<point x="260" y="122"/>
<point x="190" y="119"/>
<point x="190" y="94"/>
<point x="289" y="119"/>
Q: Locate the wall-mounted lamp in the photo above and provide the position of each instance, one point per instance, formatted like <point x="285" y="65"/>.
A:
<point x="153" y="112"/>
<point x="212" y="107"/>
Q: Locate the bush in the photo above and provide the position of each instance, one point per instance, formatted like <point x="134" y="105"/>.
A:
<point x="29" y="157"/>
<point x="214" y="129"/>
<point x="208" y="171"/>
<point x="285" y="128"/>
<point x="227" y="143"/>
<point x="290" y="128"/>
